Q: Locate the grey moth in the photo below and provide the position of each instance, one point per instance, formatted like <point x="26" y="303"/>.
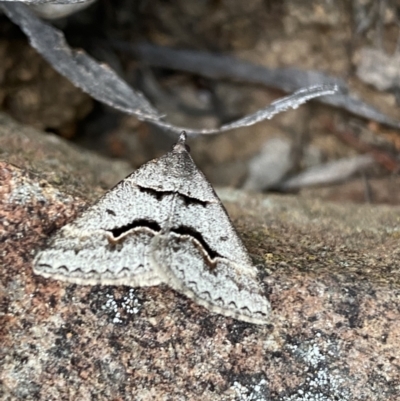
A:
<point x="163" y="223"/>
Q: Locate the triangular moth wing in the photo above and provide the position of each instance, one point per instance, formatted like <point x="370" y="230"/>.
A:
<point x="108" y="244"/>
<point x="219" y="284"/>
<point x="199" y="251"/>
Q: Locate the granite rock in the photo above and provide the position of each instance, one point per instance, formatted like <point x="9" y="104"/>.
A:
<point x="330" y="271"/>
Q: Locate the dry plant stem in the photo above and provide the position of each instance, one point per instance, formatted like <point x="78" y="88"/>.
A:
<point x="217" y="66"/>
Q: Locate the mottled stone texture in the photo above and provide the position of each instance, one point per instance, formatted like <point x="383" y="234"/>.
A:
<point x="331" y="272"/>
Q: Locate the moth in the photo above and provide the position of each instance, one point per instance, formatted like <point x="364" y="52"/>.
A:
<point x="163" y="223"/>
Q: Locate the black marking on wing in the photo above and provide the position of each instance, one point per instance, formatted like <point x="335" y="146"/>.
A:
<point x="184" y="230"/>
<point x="152" y="225"/>
<point x="160" y="194"/>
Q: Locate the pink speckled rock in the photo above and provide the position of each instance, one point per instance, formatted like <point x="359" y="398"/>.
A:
<point x="332" y="273"/>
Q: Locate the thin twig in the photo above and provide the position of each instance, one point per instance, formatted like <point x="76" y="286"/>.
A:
<point x="383" y="158"/>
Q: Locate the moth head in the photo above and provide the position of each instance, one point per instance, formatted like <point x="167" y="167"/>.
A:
<point x="181" y="145"/>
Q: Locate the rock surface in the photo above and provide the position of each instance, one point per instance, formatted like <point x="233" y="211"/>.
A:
<point x="331" y="274"/>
